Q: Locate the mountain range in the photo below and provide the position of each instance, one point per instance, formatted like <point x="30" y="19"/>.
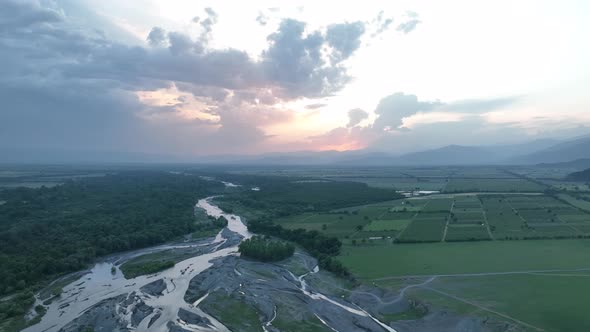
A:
<point x="573" y="152"/>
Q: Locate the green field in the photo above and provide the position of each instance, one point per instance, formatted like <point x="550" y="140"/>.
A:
<point x="465" y="257"/>
<point x="469" y="232"/>
<point x="452" y="217"/>
<point x="576" y="201"/>
<point x="476" y="238"/>
<point x="492" y="185"/>
<point x="508" y="280"/>
<point x="549" y="301"/>
<point x="387" y="225"/>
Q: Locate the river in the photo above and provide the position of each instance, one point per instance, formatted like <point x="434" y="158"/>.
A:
<point x="100" y="284"/>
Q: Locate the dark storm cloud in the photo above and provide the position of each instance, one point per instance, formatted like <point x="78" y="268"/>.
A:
<point x="355" y="116"/>
<point x="72" y="85"/>
<point x="345" y="38"/>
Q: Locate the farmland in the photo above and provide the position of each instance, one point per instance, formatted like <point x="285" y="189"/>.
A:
<point x="497" y="243"/>
<point x="526" y="282"/>
<point x="471" y="240"/>
<point x="425" y="259"/>
<point x="450" y="218"/>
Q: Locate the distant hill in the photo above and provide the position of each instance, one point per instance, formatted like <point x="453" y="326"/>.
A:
<point x="69" y="156"/>
<point x="563" y="152"/>
<point x="579" y="164"/>
<point x="580" y="176"/>
<point x="450" y="155"/>
<point x="547" y="151"/>
<point x="473" y="155"/>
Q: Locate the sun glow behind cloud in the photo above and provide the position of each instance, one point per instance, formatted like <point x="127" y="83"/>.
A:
<point x="422" y="118"/>
<point x="368" y="85"/>
<point x="257" y="78"/>
<point x="181" y="105"/>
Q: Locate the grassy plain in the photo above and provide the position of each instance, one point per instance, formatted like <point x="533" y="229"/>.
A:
<point x="492" y="185"/>
<point x="465" y="257"/>
<point x="507" y="277"/>
<point x="551" y="301"/>
<point x="507" y="280"/>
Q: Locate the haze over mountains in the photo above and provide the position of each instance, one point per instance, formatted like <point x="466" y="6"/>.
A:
<point x="544" y="151"/>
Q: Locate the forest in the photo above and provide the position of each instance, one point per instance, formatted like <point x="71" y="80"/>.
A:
<point x="283" y="196"/>
<point x="322" y="247"/>
<point x="265" y="249"/>
<point x="46" y="232"/>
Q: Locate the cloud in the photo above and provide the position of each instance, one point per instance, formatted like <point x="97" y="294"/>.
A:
<point x="406" y="110"/>
<point x="410" y="23"/>
<point x="345" y="38"/>
<point x="342" y="139"/>
<point x="355" y="116"/>
<point x="262" y="19"/>
<point x="481" y="105"/>
<point x="182" y="44"/>
<point x="74" y="86"/>
<point x="207" y="24"/>
<point x="315" y="106"/>
<point x="384" y="26"/>
<point x="157" y="37"/>
<point x="294" y="59"/>
<point x="404" y="123"/>
<point x="380" y="24"/>
<point x="392" y="109"/>
<point x="22" y="14"/>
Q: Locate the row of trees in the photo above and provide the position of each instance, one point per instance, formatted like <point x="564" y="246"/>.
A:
<point x="264" y="249"/>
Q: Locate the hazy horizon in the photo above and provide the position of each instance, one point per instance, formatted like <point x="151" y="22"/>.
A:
<point x="213" y="78"/>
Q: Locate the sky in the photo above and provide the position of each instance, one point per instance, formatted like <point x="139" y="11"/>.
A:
<point x="249" y="77"/>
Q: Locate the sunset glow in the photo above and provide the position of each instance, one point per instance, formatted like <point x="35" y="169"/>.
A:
<point x="203" y="78"/>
